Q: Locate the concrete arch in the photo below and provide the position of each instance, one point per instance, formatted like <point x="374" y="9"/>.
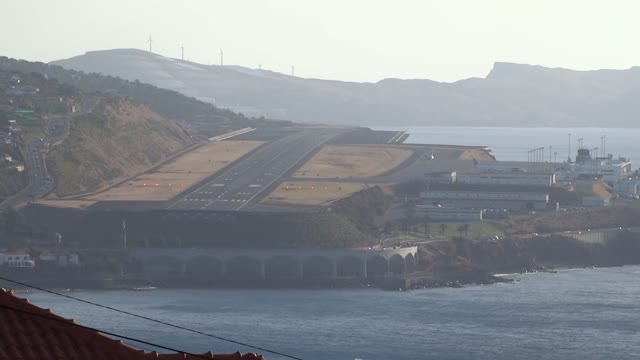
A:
<point x="397" y="265"/>
<point x="282" y="267"/>
<point x="410" y="262"/>
<point x="351" y="266"/>
<point x="245" y="267"/>
<point x="318" y="267"/>
<point x="204" y="267"/>
<point x="377" y="266"/>
<point x="163" y="265"/>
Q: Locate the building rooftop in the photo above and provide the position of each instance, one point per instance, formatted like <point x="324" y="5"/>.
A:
<point x="30" y="332"/>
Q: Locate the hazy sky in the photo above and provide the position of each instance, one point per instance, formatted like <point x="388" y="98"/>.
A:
<point x="361" y="40"/>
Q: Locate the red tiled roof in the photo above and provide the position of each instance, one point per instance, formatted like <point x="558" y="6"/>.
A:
<point x="28" y="332"/>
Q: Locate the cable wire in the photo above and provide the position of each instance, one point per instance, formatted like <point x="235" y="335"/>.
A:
<point x="259" y="348"/>
<point x="70" y="323"/>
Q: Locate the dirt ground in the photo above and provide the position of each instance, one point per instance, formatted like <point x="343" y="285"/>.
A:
<point x="353" y="161"/>
<point x="179" y="174"/>
<point x="311" y="192"/>
<point x="72" y="204"/>
<point x="479" y="155"/>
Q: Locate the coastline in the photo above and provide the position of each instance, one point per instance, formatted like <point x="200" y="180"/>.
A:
<point x="410" y="282"/>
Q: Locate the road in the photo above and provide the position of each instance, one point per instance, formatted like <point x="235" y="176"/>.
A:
<point x="249" y="180"/>
<point x="40" y="182"/>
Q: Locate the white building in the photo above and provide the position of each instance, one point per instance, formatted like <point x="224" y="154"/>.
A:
<point x="487" y="200"/>
<point x="62" y="260"/>
<point x="609" y="169"/>
<point x="16" y="260"/>
<point x="507" y="178"/>
<point x="448" y="214"/>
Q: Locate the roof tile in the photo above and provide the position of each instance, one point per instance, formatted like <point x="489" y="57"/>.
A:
<point x="32" y="333"/>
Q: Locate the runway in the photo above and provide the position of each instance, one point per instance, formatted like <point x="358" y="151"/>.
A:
<point x="251" y="179"/>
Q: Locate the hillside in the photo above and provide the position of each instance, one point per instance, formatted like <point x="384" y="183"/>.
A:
<point x="117" y="139"/>
<point x="510" y="95"/>
<point x="202" y="116"/>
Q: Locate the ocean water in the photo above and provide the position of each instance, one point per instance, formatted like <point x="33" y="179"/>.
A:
<point x="574" y="314"/>
<point x="512" y="144"/>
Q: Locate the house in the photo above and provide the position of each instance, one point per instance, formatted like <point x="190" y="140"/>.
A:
<point x="61" y="260"/>
<point x="16" y="260"/>
<point x="7" y="157"/>
<point x="30" y="332"/>
<point x="22" y="90"/>
<point x="19" y="168"/>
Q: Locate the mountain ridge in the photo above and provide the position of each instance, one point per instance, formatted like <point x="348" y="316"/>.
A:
<point x="510" y="95"/>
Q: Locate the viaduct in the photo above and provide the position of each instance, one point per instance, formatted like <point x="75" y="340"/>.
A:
<point x="267" y="264"/>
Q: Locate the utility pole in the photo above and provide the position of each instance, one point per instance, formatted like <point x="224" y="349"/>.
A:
<point x="124" y="234"/>
<point x="569" y="152"/>
<point x="182" y="48"/>
<point x="221" y="57"/>
<point x="150" y="44"/>
<point x="293" y="70"/>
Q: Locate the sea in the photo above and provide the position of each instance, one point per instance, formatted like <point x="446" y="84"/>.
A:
<point x="513" y="144"/>
<point x="573" y="314"/>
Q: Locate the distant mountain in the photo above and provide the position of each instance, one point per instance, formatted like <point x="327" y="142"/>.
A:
<point x="510" y="95"/>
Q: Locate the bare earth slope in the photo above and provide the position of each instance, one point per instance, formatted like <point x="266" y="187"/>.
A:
<point x="115" y="141"/>
<point x="510" y="95"/>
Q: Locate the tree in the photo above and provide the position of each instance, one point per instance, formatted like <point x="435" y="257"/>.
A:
<point x="11" y="219"/>
<point x="460" y="229"/>
<point x="426" y="224"/>
<point x="443" y="228"/>
<point x="466" y="228"/>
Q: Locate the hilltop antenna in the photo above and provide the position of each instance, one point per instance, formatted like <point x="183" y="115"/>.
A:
<point x="150" y="44"/>
<point x="221" y="57"/>
<point x="293" y="70"/>
<point x="182" y="48"/>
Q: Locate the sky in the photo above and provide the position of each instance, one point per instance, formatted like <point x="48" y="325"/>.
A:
<point x="351" y="40"/>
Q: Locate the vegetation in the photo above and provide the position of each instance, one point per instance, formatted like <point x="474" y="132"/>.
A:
<point x="11" y="182"/>
<point x="515" y="255"/>
<point x="170" y="104"/>
<point x="366" y="209"/>
<point x="115" y="140"/>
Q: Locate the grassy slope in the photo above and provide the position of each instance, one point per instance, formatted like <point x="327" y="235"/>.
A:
<point x="11" y="182"/>
<point x="117" y="139"/>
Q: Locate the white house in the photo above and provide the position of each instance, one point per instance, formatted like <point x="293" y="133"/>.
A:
<point x="16" y="260"/>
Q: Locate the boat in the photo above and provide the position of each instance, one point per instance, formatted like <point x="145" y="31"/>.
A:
<point x="143" y="288"/>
